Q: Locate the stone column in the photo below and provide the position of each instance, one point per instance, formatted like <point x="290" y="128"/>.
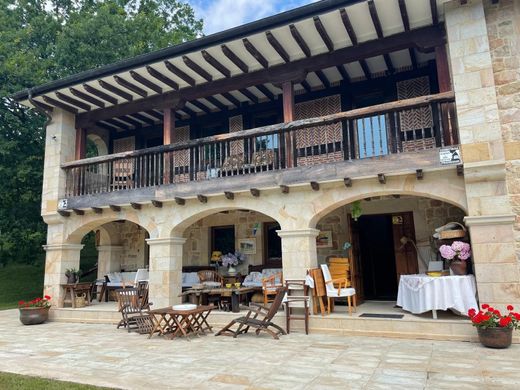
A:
<point x="496" y="266"/>
<point x="109" y="259"/>
<point x="298" y="252"/>
<point x="165" y="270"/>
<point x="58" y="258"/>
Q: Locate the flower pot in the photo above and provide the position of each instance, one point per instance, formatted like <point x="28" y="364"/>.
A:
<point x="71" y="279"/>
<point x="232" y="271"/>
<point x="33" y="315"/>
<point x="459" y="267"/>
<point x="495" y="337"/>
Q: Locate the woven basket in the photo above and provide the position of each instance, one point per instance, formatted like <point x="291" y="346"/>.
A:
<point x="457" y="233"/>
<point x="80" y="300"/>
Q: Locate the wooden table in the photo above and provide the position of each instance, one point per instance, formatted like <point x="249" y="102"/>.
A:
<point x="76" y="288"/>
<point x="232" y="292"/>
<point x="172" y="323"/>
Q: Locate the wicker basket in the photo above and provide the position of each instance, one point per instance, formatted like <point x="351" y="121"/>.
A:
<point x="457" y="233"/>
<point x="80" y="300"/>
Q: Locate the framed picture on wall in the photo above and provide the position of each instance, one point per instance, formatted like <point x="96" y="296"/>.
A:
<point x="324" y="239"/>
<point x="247" y="246"/>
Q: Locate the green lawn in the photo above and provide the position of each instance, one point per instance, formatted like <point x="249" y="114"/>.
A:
<point x="23" y="382"/>
<point x="20" y="282"/>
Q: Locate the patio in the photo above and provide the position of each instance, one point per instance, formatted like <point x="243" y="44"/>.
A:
<point x="101" y="355"/>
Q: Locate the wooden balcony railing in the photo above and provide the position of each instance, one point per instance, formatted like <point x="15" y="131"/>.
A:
<point x="407" y="125"/>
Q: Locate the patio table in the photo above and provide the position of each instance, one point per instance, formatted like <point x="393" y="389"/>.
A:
<point x="173" y="323"/>
<point x="232" y="292"/>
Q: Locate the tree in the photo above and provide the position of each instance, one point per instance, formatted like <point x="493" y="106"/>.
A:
<point x="44" y="40"/>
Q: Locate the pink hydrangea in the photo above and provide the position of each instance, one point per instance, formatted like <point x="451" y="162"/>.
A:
<point x="447" y="252"/>
<point x="457" y="246"/>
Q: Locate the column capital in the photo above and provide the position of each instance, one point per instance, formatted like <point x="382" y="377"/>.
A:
<point x="310" y="232"/>
<point x="483" y="220"/>
<point x="62" y="247"/>
<point x="166" y="241"/>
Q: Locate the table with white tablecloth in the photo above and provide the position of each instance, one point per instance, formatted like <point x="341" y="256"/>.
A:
<point x="421" y="293"/>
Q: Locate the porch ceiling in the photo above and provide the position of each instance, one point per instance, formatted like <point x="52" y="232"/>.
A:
<point x="307" y="32"/>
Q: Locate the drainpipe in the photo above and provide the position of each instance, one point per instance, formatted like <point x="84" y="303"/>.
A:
<point x="39" y="109"/>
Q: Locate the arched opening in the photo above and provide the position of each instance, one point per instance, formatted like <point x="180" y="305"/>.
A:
<point x="384" y="237"/>
<point x="96" y="146"/>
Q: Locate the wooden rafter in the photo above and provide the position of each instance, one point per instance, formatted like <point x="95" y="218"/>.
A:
<point x="201" y="106"/>
<point x="323" y="79"/>
<point x="87" y="97"/>
<point x="366" y="69"/>
<point x="155" y="114"/>
<point x="255" y="53"/>
<point x="300" y="41"/>
<point x="216" y="64"/>
<point x="234" y="59"/>
<point x="144" y="81"/>
<point x="71" y="100"/>
<point x="323" y="33"/>
<point x="100" y="94"/>
<point x="305" y="84"/>
<point x="131" y="86"/>
<point x="42" y="105"/>
<point x="433" y="9"/>
<point x="233" y="100"/>
<point x="406" y="24"/>
<point x="179" y="73"/>
<point x="115" y="90"/>
<point x="217" y="103"/>
<point x="57" y="103"/>
<point x="117" y="123"/>
<point x="144" y="118"/>
<point x="197" y="68"/>
<point x="379" y="31"/>
<point x="248" y="94"/>
<point x="162" y="78"/>
<point x="353" y="38"/>
<point x="343" y="72"/>
<point x="277" y="46"/>
<point x="105" y="126"/>
<point x="189" y="111"/>
<point x="130" y="121"/>
<point x="262" y="88"/>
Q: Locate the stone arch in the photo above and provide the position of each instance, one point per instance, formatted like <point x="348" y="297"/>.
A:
<point x="100" y="143"/>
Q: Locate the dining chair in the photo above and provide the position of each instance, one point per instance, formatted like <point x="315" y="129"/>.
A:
<point x="342" y="291"/>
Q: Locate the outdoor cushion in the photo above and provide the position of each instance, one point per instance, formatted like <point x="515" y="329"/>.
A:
<point x="189" y="279"/>
<point x="254" y="279"/>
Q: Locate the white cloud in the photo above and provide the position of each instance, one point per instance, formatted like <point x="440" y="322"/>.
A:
<point x="220" y="15"/>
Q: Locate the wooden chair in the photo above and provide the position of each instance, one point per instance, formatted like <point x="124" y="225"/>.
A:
<point x="131" y="306"/>
<point x="338" y="292"/>
<point x="210" y="276"/>
<point x="319" y="291"/>
<point x="300" y="302"/>
<point x="270" y="286"/>
<point x="259" y="318"/>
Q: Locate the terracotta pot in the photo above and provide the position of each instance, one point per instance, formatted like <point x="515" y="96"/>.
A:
<point x="459" y="267"/>
<point x="495" y="337"/>
<point x="33" y="315"/>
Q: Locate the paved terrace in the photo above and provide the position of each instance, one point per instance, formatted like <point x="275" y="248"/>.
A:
<point x="101" y="355"/>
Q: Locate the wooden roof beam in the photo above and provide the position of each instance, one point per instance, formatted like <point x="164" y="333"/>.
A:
<point x="71" y="100"/>
<point x="197" y="68"/>
<point x="117" y="123"/>
<point x="233" y="100"/>
<point x="157" y="203"/>
<point x="115" y="90"/>
<point x="189" y="111"/>
<point x="343" y="72"/>
<point x="162" y="78"/>
<point x="130" y="86"/>
<point x="216" y="64"/>
<point x="87" y="97"/>
<point x="348" y="26"/>
<point x="305" y="84"/>
<point x="179" y="73"/>
<point x="115" y="208"/>
<point x="202" y="198"/>
<point x="217" y="103"/>
<point x="255" y="53"/>
<point x="201" y="106"/>
<point x="129" y="120"/>
<point x="300" y="41"/>
<point x="323" y="33"/>
<point x="154" y="114"/>
<point x="248" y="94"/>
<point x="276" y="45"/>
<point x="406" y="24"/>
<point x="143" y="118"/>
<point x="180" y="201"/>
<point x="100" y="94"/>
<point x="57" y="103"/>
<point x="433" y="9"/>
<point x="144" y="81"/>
<point x="234" y="58"/>
<point x="379" y="31"/>
<point x="136" y="206"/>
<point x="323" y="79"/>
<point x="262" y="88"/>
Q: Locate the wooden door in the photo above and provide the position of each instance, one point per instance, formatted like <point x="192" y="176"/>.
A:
<point x="356" y="272"/>
<point x="405" y="255"/>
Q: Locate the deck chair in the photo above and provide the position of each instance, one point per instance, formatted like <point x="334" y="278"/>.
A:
<point x="258" y="317"/>
<point x="131" y="305"/>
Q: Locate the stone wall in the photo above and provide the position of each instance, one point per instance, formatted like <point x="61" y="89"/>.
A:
<point x="503" y="27"/>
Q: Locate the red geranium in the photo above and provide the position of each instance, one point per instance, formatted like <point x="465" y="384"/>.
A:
<point x="485" y="306"/>
<point x="510" y="307"/>
<point x="36" y="302"/>
<point x="489" y="317"/>
<point x="504" y="321"/>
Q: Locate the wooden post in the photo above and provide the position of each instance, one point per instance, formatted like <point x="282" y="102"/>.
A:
<point x="443" y="77"/>
<point x="81" y="143"/>
<point x="168" y="129"/>
<point x="288" y="116"/>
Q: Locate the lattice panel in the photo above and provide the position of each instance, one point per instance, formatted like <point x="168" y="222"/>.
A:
<point x="181" y="158"/>
<point x="123" y="168"/>
<point x="236" y="124"/>
<point x="321" y="134"/>
<point x="419" y="118"/>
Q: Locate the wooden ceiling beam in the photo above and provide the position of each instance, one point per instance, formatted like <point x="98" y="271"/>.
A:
<point x="115" y="208"/>
<point x="255" y="53"/>
<point x="300" y="41"/>
<point x="433" y="9"/>
<point x="201" y="106"/>
<point x="57" y="103"/>
<point x="233" y="100"/>
<point x="179" y="73"/>
<point x="144" y="81"/>
<point x="406" y="25"/>
<point x="118" y="124"/>
<point x="136" y="206"/>
<point x="130" y="86"/>
<point x="180" y="201"/>
<point x="189" y="111"/>
<point x="277" y="46"/>
<point x="197" y="68"/>
<point x="162" y="78"/>
<point x="305" y="84"/>
<point x="144" y="118"/>
<point x="97" y="210"/>
<point x="105" y="126"/>
<point x="268" y="94"/>
<point x="248" y="94"/>
<point x="323" y="33"/>
<point x="234" y="58"/>
<point x="216" y="64"/>
<point x="129" y="120"/>
<point x="157" y="203"/>
<point x="71" y="100"/>
<point x="379" y="31"/>
<point x="348" y="26"/>
<point x="100" y="94"/>
<point x="42" y="105"/>
<point x="366" y="69"/>
<point x="422" y="38"/>
<point x="154" y="114"/>
<point x="343" y="72"/>
<point x="323" y="79"/>
<point x="217" y="103"/>
<point x="115" y="90"/>
<point x="87" y="97"/>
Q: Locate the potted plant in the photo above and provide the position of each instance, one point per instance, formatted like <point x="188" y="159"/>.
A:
<point x="495" y="330"/>
<point x="457" y="255"/>
<point x="72" y="275"/>
<point x="231" y="260"/>
<point x="35" y="311"/>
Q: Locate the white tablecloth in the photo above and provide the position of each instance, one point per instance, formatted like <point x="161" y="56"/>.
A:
<point x="422" y="293"/>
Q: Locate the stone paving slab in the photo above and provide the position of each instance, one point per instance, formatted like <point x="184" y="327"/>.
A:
<point x="101" y="355"/>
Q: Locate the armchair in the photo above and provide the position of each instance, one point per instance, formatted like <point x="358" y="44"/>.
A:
<point x="338" y="292"/>
<point x="270" y="285"/>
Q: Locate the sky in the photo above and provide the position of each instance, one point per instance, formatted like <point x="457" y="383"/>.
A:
<point x="220" y="15"/>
